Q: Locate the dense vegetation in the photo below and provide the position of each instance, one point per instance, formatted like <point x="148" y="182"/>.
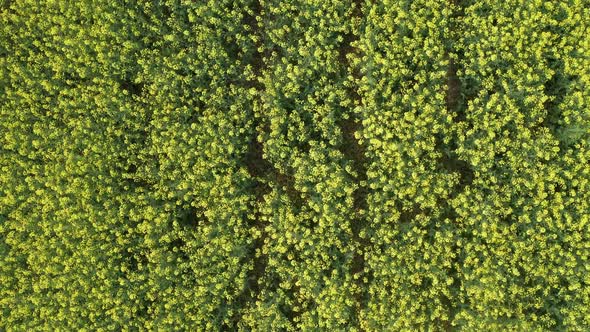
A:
<point x="274" y="165"/>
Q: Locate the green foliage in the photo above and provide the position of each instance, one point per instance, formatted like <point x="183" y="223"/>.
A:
<point x="525" y="240"/>
<point x="274" y="165"/>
